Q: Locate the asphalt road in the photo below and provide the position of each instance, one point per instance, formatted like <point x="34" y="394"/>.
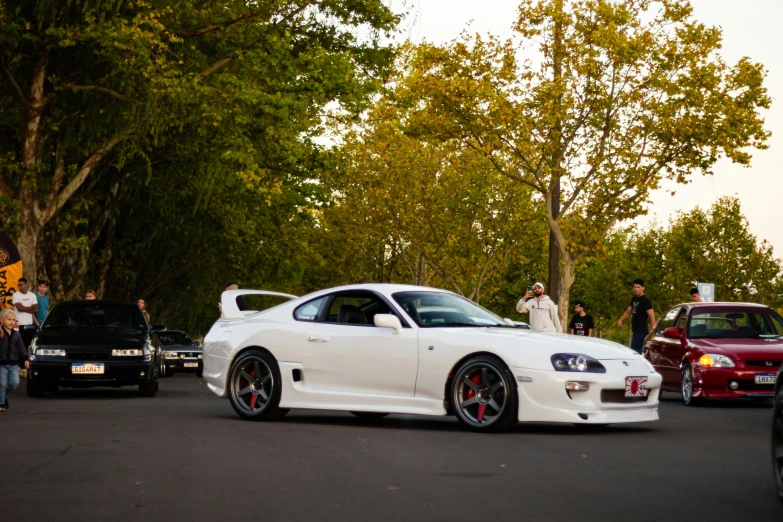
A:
<point x="184" y="455"/>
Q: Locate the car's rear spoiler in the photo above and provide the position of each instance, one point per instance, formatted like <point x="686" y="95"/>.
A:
<point x="228" y="301"/>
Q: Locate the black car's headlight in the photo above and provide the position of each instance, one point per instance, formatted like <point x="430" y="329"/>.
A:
<point x="576" y="362"/>
<point x="55" y="352"/>
<point x="132" y="352"/>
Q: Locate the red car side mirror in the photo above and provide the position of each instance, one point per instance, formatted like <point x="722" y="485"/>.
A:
<point x="672" y="333"/>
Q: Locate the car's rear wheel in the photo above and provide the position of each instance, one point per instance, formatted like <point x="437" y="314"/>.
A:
<point x="687" y="385"/>
<point x="484" y="395"/>
<point x="777" y="443"/>
<point x="369" y="414"/>
<point x="34" y="388"/>
<point x="254" y="386"/>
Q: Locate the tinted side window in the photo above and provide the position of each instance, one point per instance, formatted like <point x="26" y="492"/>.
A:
<point x="668" y="320"/>
<point x="356" y="308"/>
<point x="309" y="310"/>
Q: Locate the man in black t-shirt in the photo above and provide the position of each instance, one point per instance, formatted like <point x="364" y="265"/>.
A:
<point x="641" y="308"/>
<point x="582" y="322"/>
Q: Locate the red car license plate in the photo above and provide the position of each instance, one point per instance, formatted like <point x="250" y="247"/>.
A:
<point x="636" y="387"/>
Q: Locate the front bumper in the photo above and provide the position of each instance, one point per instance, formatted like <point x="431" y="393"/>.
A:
<point x="48" y="371"/>
<point x="713" y="383"/>
<point x="543" y="396"/>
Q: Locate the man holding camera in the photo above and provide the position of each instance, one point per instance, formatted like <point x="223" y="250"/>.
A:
<point x="542" y="310"/>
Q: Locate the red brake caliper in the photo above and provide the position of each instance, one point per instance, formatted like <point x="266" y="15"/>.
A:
<point x="471" y="393"/>
<point x="255" y="396"/>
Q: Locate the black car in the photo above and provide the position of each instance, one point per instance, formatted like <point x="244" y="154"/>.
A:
<point x="83" y="344"/>
<point x="178" y="353"/>
<point x="777" y="435"/>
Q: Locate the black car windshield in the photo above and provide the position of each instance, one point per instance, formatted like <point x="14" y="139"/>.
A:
<point x="175" y="339"/>
<point x="436" y="309"/>
<point x="735" y="324"/>
<point x="96" y="315"/>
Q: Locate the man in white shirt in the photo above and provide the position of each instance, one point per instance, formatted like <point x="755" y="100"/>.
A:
<point x="25" y="303"/>
<point x="542" y="310"/>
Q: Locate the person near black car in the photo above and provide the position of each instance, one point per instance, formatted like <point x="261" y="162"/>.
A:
<point x="12" y="354"/>
<point x="582" y="323"/>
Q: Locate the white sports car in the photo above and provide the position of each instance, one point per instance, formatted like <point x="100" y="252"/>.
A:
<point x="376" y="349"/>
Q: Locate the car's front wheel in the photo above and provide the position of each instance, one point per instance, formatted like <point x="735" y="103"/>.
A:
<point x="484" y="395"/>
<point x="777" y="443"/>
<point x="254" y="386"/>
<point x="149" y="388"/>
<point x="687" y="385"/>
<point x="34" y="388"/>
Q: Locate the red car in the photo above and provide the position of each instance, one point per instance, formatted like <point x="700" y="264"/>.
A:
<point x="717" y="350"/>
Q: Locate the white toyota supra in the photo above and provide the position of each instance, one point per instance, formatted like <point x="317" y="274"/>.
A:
<point x="375" y="349"/>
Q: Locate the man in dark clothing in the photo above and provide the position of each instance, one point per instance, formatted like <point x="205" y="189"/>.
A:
<point x="642" y="309"/>
<point x="12" y="354"/>
<point x="582" y="322"/>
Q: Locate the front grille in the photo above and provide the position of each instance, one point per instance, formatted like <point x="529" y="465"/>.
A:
<point x="618" y="396"/>
<point x="766" y="363"/>
<point x="88" y="356"/>
<point x="750" y="385"/>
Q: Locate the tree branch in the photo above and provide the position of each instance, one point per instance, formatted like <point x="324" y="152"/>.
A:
<point x="106" y="90"/>
<point x="203" y="29"/>
<point x="86" y="169"/>
<point x="19" y="92"/>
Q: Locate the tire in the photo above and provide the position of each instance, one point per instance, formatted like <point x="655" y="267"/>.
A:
<point x="149" y="388"/>
<point x="777" y="443"/>
<point x="369" y="414"/>
<point x="34" y="388"/>
<point x="484" y="395"/>
<point x="254" y="386"/>
<point x="687" y="391"/>
<point x="199" y="374"/>
<point x="162" y="370"/>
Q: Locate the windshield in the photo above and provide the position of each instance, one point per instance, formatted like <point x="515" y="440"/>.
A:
<point x="735" y="324"/>
<point x="175" y="339"/>
<point x="435" y="309"/>
<point x="97" y="315"/>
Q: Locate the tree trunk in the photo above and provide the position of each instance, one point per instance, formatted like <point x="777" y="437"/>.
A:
<point x="566" y="281"/>
<point x="554" y="251"/>
<point x="28" y="245"/>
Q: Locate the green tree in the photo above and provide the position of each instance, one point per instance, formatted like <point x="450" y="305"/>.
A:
<point x="120" y="85"/>
<point x="423" y="211"/>
<point x="620" y="97"/>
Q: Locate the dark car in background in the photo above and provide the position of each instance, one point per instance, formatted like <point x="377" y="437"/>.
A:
<point x="178" y="353"/>
<point x="718" y="350"/>
<point x="777" y="436"/>
<point x="84" y="344"/>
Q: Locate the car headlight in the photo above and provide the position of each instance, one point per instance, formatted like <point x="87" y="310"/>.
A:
<point x="714" y="360"/>
<point x="132" y="352"/>
<point x="56" y="352"/>
<point x="170" y="354"/>
<point x="576" y="362"/>
<point x="200" y="356"/>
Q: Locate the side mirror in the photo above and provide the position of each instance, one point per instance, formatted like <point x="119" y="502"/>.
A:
<point x="388" y="321"/>
<point x="672" y="333"/>
<point x="158" y="328"/>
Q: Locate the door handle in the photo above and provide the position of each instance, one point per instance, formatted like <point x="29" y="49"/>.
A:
<point x="314" y="339"/>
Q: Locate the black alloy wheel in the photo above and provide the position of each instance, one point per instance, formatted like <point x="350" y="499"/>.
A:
<point x="777" y="442"/>
<point x="484" y="395"/>
<point x="254" y="386"/>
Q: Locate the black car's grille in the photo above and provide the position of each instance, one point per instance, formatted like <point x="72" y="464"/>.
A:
<point x="765" y="363"/>
<point x="618" y="396"/>
<point x="750" y="385"/>
<point x="88" y="356"/>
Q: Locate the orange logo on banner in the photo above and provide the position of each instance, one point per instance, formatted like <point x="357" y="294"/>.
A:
<point x="10" y="270"/>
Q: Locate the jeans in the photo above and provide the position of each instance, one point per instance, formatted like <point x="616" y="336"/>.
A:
<point x="9" y="380"/>
<point x="637" y="342"/>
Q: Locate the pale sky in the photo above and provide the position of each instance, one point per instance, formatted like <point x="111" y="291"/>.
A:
<point x="751" y="28"/>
